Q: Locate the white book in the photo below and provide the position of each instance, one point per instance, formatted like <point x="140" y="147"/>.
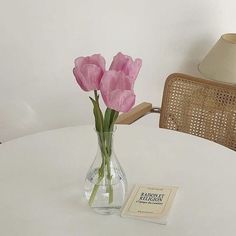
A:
<point x="150" y="203"/>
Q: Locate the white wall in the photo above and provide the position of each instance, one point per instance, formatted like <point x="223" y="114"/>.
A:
<point x="40" y="39"/>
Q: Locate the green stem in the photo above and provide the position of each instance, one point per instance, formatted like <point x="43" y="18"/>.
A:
<point x="109" y="177"/>
<point x="108" y="138"/>
<point x="105" y="145"/>
<point x="96" y="95"/>
<point x="100" y="178"/>
<point x="104" y="127"/>
<point x="94" y="192"/>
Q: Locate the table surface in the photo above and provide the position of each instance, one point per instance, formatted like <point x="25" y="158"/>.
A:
<point x="42" y="177"/>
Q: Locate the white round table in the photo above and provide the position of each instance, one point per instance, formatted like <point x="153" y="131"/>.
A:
<point x="42" y="176"/>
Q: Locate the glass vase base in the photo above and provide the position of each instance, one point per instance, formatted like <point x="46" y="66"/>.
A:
<point x="107" y="210"/>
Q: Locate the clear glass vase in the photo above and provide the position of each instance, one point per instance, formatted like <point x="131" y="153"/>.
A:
<point x="105" y="183"/>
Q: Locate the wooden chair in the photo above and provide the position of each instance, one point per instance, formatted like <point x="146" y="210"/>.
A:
<point x="200" y="107"/>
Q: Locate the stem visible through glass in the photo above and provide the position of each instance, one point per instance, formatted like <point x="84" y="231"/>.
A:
<point x="104" y="126"/>
<point x="105" y="145"/>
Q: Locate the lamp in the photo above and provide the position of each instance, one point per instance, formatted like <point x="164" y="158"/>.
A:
<point x="220" y="62"/>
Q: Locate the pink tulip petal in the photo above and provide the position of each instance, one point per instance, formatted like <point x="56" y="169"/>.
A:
<point x="79" y="78"/>
<point x="95" y="59"/>
<point x="112" y="80"/>
<point x="98" y="60"/>
<point x="93" y="75"/>
<point x="116" y="90"/>
<point x="132" y="69"/>
<point x="119" y="61"/>
<point x="121" y="100"/>
<point x="80" y="61"/>
<point x="126" y="64"/>
<point x="88" y="71"/>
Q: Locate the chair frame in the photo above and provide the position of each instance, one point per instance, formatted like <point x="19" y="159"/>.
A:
<point x="147" y="108"/>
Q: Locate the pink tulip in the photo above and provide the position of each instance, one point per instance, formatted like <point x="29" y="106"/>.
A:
<point x="126" y="64"/>
<point x="117" y="91"/>
<point x="88" y="71"/>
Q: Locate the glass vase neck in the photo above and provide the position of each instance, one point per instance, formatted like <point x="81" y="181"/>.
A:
<point x="105" y="142"/>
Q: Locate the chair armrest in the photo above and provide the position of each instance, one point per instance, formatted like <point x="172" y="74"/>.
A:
<point x="134" y="114"/>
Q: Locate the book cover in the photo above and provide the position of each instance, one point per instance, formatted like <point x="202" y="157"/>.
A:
<point x="151" y="203"/>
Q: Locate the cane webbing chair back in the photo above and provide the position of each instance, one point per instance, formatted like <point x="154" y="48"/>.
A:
<point x="204" y="108"/>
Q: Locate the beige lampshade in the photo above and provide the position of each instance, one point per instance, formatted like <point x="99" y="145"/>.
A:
<point x="220" y="62"/>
